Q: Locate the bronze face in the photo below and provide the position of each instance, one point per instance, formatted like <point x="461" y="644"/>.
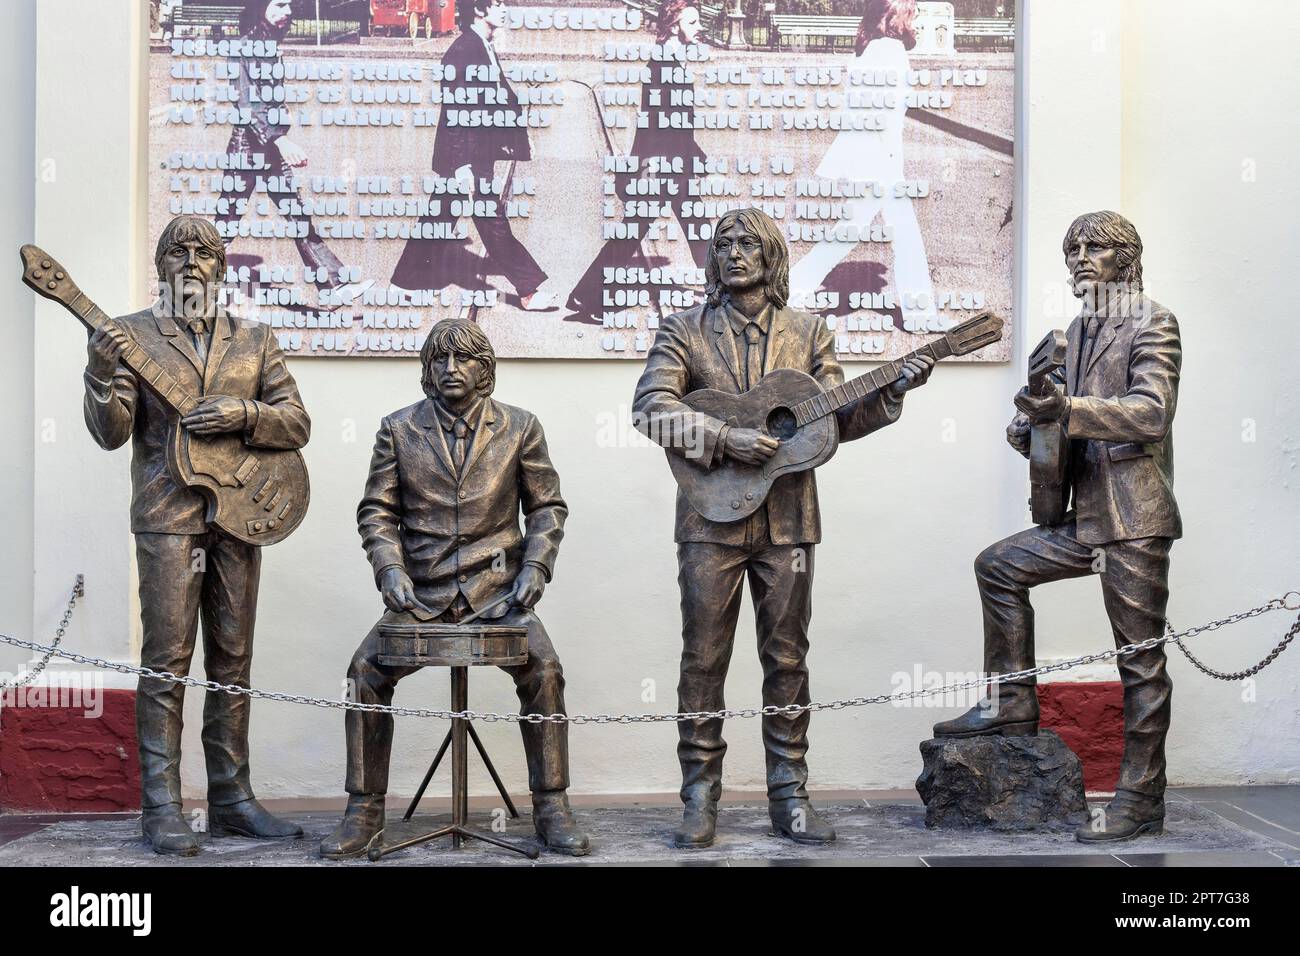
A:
<point x="1093" y="266"/>
<point x="738" y="255"/>
<point x="189" y="273"/>
<point x="457" y="377"/>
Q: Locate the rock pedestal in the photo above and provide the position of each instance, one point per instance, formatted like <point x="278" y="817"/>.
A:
<point x="1002" y="783"/>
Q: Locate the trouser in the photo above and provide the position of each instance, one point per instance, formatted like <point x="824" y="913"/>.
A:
<point x="588" y="293"/>
<point x="311" y="247"/>
<point x="539" y="684"/>
<point x="181" y="576"/>
<point x="425" y="263"/>
<point x="780" y="584"/>
<point x="1135" y="587"/>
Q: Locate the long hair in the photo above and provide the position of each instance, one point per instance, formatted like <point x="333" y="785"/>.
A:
<point x="253" y="17"/>
<point x="776" y="258"/>
<point x="466" y="338"/>
<point x="191" y="229"/>
<point x="1113" y="230"/>
<point x="891" y="19"/>
<point x="666" y="19"/>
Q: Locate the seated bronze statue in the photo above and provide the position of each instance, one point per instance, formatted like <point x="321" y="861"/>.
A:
<point x="448" y="481"/>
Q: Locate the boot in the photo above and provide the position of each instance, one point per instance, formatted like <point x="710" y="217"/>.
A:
<point x="554" y="823"/>
<point x="1127" y="816"/>
<point x="167" y="832"/>
<point x="362" y="827"/>
<point x="1014" y="715"/>
<point x="699" y="824"/>
<point x="248" y="818"/>
<point x="797" y="819"/>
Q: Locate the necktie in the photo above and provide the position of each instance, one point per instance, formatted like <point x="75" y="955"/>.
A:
<point x="199" y="329"/>
<point x="753" y="355"/>
<point x="460" y="430"/>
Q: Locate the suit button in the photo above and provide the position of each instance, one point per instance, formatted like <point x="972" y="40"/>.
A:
<point x="462" y="494"/>
<point x="464" y="578"/>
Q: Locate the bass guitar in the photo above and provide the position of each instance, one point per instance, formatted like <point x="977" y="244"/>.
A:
<point x="257" y="495"/>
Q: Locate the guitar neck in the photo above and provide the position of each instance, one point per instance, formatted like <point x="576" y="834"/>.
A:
<point x="172" y="394"/>
<point x="834" y="399"/>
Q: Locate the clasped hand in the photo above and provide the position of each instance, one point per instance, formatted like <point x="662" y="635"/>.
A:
<point x="1042" y="408"/>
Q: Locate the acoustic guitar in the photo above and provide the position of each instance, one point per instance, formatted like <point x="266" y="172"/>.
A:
<point x="257" y="495"/>
<point x="790" y="406"/>
<point x="1049" y="492"/>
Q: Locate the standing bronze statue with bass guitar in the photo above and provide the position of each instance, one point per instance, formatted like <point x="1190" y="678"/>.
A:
<point x="215" y="422"/>
<point x="1113" y="403"/>
<point x="746" y="396"/>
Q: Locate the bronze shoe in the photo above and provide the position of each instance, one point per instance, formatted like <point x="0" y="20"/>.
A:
<point x="555" y="825"/>
<point x="1127" y="816"/>
<point x="361" y="828"/>
<point x="1014" y="715"/>
<point x="167" y="832"/>
<point x="248" y="818"/>
<point x="699" y="825"/>
<point x="797" y="819"/>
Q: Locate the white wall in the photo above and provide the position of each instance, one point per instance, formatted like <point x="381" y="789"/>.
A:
<point x="1113" y="119"/>
<point x="17" y="209"/>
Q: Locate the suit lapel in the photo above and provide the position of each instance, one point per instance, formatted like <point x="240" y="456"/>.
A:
<point x="1107" y="336"/>
<point x="1072" y="337"/>
<point x="776" y="339"/>
<point x="725" y="343"/>
<point x="180" y="340"/>
<point x="483" y="433"/>
<point x="222" y="330"/>
<point x="427" y="418"/>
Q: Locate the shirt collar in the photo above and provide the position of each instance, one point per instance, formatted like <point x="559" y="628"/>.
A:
<point x="739" y="320"/>
<point x="447" y="419"/>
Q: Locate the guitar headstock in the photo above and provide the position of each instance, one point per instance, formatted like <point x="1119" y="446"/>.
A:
<point x="983" y="329"/>
<point x="45" y="276"/>
<point x="1048" y="354"/>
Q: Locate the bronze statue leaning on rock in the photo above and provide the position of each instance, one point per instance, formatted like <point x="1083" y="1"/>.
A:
<point x="1115" y="399"/>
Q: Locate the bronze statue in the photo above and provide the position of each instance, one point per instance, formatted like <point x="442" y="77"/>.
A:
<point x="183" y="380"/>
<point x="440" y="525"/>
<point x="1115" y="400"/>
<point x="743" y="332"/>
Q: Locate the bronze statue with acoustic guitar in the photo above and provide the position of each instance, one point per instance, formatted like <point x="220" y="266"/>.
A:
<point x="746" y="396"/>
<point x="215" y="422"/>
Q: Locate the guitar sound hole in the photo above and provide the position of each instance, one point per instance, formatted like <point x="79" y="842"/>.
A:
<point x="781" y="423"/>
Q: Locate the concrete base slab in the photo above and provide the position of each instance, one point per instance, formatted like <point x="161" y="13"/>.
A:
<point x="888" y="834"/>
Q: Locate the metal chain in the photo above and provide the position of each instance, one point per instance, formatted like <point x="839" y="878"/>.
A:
<point x="78" y="589"/>
<point x="771" y="710"/>
<point x="1235" y="675"/>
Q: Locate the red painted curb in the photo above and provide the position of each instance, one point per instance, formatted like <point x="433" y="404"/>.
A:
<point x="55" y="759"/>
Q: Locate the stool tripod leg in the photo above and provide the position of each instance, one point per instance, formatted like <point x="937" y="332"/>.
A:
<point x="433" y="767"/>
<point x="476" y="835"/>
<point x="501" y="787"/>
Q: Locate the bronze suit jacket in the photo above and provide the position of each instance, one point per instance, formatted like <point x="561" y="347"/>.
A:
<point x="460" y="534"/>
<point x="697" y="349"/>
<point x="1121" y="425"/>
<point x="244" y="361"/>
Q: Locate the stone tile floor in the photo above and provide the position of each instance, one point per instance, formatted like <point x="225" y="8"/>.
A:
<point x="1205" y="826"/>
